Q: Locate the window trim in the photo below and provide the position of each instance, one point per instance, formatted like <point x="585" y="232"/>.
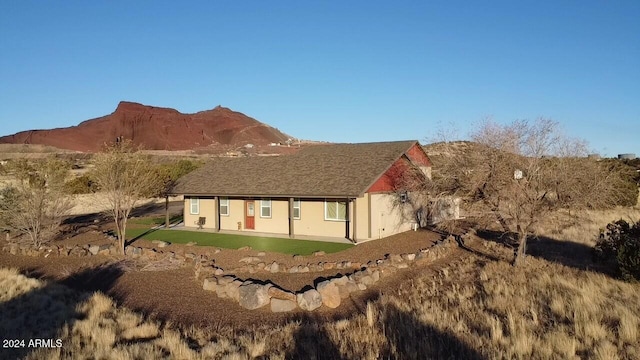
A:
<point x="227" y="204"/>
<point x="197" y="205"/>
<point x="262" y="206"/>
<point x="326" y="218"/>
<point x="299" y="207"/>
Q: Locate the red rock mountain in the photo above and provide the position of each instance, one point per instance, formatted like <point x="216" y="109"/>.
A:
<point x="156" y="128"/>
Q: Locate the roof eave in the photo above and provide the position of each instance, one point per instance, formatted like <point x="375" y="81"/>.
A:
<point x="273" y="196"/>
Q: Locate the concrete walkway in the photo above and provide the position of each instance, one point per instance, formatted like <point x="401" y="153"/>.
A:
<point x="180" y="226"/>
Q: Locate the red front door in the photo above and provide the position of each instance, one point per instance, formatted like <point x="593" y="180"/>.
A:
<point x="249" y="214"/>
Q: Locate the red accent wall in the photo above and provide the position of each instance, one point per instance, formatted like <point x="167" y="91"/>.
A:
<point x="388" y="180"/>
<point x="418" y="156"/>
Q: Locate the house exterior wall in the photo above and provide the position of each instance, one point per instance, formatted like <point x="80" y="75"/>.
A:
<point x="361" y="218"/>
<point x="312" y="221"/>
<point x="278" y="223"/>
<point x="207" y="209"/>
<point x="236" y="214"/>
<point x="387" y="219"/>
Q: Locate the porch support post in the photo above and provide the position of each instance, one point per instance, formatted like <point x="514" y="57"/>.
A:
<point x="291" y="232"/>
<point x="355" y="220"/>
<point x="347" y="223"/>
<point x="166" y="211"/>
<point x="369" y="215"/>
<point x="216" y="217"/>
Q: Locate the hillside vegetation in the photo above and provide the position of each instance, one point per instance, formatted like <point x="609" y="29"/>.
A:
<point x="475" y="306"/>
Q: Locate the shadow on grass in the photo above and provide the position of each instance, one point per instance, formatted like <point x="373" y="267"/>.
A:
<point x="568" y="253"/>
<point x="41" y="313"/>
<point x="409" y="338"/>
<point x="82" y="223"/>
<point x="140" y="236"/>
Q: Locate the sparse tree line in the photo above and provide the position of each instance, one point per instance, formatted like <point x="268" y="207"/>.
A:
<point x="40" y="197"/>
<point x="511" y="177"/>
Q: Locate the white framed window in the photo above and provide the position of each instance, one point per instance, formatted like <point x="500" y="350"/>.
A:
<point x="224" y="206"/>
<point x="265" y="208"/>
<point x="296" y="209"/>
<point x="335" y="210"/>
<point x="194" y="207"/>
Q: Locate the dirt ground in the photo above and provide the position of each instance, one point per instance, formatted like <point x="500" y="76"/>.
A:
<point x="175" y="295"/>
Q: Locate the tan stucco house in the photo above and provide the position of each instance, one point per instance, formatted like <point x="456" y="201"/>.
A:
<point x="337" y="190"/>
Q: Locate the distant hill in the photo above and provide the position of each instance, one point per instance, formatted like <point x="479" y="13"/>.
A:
<point x="156" y="128"/>
<point x="441" y="151"/>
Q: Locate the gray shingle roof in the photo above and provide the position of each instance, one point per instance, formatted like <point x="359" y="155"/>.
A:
<point x="336" y="170"/>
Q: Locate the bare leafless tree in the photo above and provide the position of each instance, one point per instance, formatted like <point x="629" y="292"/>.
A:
<point x="36" y="204"/>
<point x="125" y="177"/>
<point x="517" y="174"/>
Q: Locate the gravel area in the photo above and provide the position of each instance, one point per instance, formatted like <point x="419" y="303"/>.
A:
<point x="175" y="295"/>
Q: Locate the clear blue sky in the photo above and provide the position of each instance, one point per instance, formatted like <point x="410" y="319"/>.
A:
<point x="342" y="71"/>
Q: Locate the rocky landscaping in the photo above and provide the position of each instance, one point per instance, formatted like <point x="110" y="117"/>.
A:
<point x="253" y="294"/>
<point x="235" y="282"/>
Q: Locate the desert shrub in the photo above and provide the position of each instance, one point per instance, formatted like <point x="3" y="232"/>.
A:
<point x="619" y="244"/>
<point x="176" y="169"/>
<point x="170" y="173"/>
<point x="81" y="185"/>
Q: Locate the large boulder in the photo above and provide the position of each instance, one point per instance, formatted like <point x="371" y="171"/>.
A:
<point x="309" y="300"/>
<point x="93" y="249"/>
<point x="253" y="296"/>
<point x="218" y="284"/>
<point x="340" y="280"/>
<point x="160" y="243"/>
<point x="210" y="284"/>
<point x="409" y="256"/>
<point x="330" y="294"/>
<point x="105" y="249"/>
<point x="132" y="251"/>
<point x="233" y="289"/>
<point x="375" y="275"/>
<point x="277" y="293"/>
<point x="226" y="279"/>
<point x="366" y="280"/>
<point x="279" y="305"/>
<point x="346" y="289"/>
<point x="358" y="275"/>
<point x="221" y="291"/>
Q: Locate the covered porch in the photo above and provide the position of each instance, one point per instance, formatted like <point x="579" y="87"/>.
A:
<point x="340" y="240"/>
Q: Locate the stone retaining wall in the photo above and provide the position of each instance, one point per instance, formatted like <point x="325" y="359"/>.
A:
<point x="253" y="294"/>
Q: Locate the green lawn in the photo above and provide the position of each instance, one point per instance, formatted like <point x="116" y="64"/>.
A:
<point x="232" y="241"/>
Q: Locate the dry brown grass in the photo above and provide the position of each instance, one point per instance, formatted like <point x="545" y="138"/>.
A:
<point x="473" y="307"/>
<point x="583" y="227"/>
